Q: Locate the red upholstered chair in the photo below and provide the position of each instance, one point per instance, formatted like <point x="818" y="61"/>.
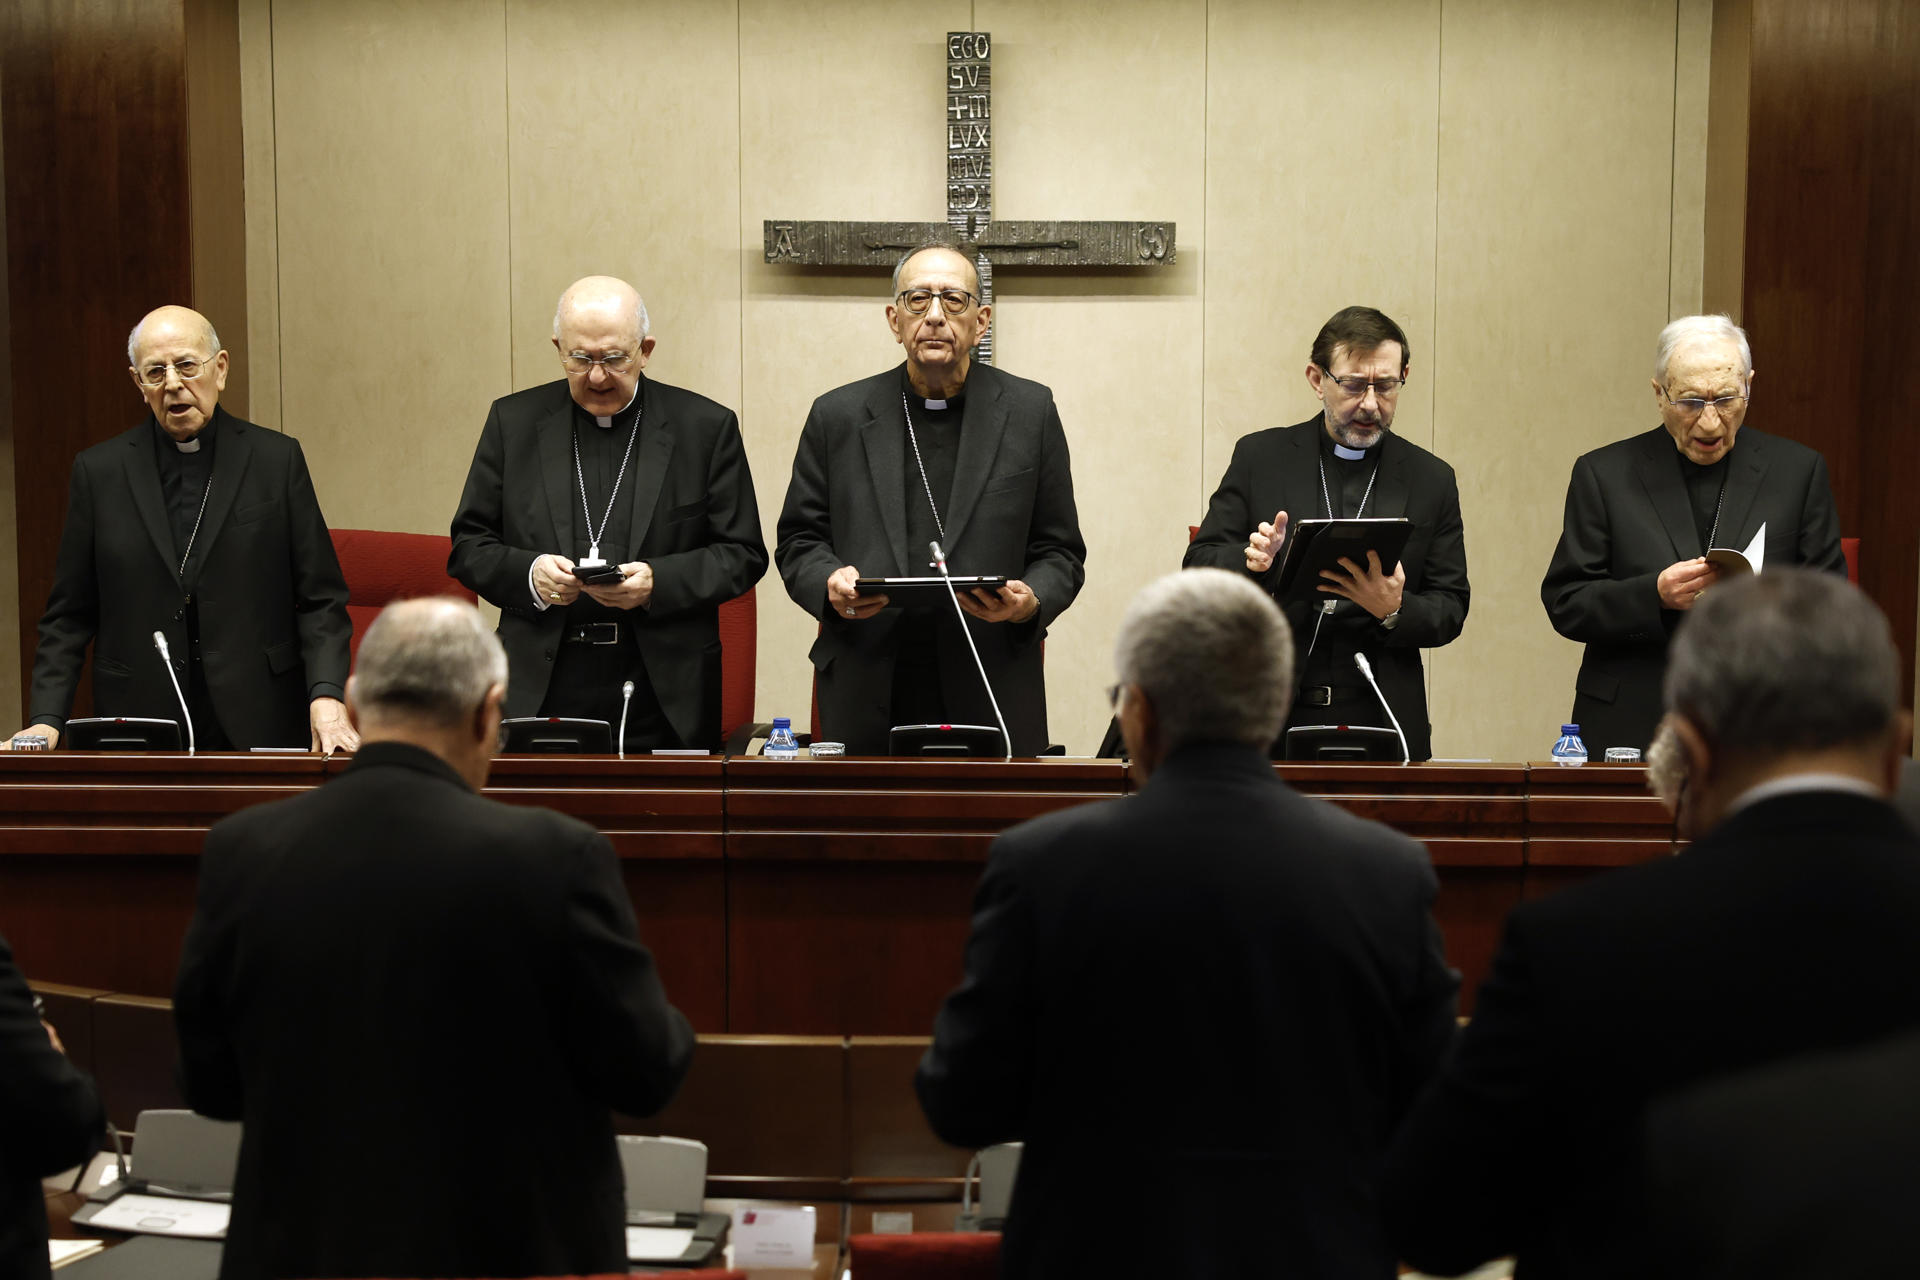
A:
<point x="926" y="1255"/>
<point x="739" y="661"/>
<point x="1850" y="548"/>
<point x="383" y="567"/>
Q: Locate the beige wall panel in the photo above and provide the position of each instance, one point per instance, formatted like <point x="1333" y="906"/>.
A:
<point x="842" y="115"/>
<point x="1555" y="165"/>
<point x="1100" y="113"/>
<point x="631" y="171"/>
<point x="1312" y="204"/>
<point x="1693" y="73"/>
<point x="262" y="212"/>
<point x="391" y="153"/>
<point x="1723" y="276"/>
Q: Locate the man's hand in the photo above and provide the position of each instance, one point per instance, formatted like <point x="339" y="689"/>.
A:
<point x="332" y="731"/>
<point x="1014" y="602"/>
<point x="54" y="1036"/>
<point x="553" y="579"/>
<point x="1377" y="592"/>
<point x="635" y="591"/>
<point x="47" y="731"/>
<point x="844" y="599"/>
<point x="1265" y="543"/>
<point x="1681" y="583"/>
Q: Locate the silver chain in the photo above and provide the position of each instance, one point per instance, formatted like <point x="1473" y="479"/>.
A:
<point x="1328" y="498"/>
<point x="914" y="440"/>
<point x="196" y="525"/>
<point x="1720" y="502"/>
<point x="593" y="536"/>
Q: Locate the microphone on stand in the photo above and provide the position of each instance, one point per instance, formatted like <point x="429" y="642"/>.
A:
<point x="626" y="696"/>
<point x="940" y="563"/>
<point x="166" y="660"/>
<point x="1366" y="669"/>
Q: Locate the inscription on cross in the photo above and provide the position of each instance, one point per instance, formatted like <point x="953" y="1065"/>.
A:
<point x="969" y="128"/>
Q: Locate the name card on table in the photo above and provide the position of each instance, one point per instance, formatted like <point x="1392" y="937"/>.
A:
<point x="766" y="1236"/>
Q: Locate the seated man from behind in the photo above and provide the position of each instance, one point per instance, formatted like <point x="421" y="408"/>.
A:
<point x="1214" y="995"/>
<point x="1786" y="927"/>
<point x="423" y="1004"/>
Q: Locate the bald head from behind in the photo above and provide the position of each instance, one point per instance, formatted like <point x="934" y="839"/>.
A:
<point x="601" y="330"/>
<point x="432" y="675"/>
<point x="179" y="367"/>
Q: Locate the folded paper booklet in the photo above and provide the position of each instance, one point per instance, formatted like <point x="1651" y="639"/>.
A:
<point x="1734" y="563"/>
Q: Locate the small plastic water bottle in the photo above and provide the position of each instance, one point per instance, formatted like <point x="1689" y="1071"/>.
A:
<point x="1569" y="750"/>
<point x="781" y="746"/>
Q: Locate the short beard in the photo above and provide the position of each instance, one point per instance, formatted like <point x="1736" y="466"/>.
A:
<point x="1350" y="434"/>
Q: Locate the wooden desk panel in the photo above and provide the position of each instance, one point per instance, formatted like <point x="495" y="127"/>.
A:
<point x="1581" y="821"/>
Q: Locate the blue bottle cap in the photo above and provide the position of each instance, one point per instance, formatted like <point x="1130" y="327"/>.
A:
<point x="783" y="722"/>
<point x="1569" y="730"/>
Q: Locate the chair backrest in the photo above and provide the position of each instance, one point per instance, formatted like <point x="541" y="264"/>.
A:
<point x="663" y="1175"/>
<point x="182" y="1151"/>
<point x="382" y="567"/>
<point x="926" y="1255"/>
<point x="739" y="661"/>
<point x="1850" y="548"/>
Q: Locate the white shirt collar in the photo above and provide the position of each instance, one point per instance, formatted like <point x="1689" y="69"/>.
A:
<point x="606" y="419"/>
<point x="1797" y="782"/>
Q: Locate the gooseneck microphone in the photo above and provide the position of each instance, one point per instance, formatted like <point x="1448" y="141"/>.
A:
<point x="940" y="563"/>
<point x="160" y="643"/>
<point x="1366" y="669"/>
<point x="626" y="696"/>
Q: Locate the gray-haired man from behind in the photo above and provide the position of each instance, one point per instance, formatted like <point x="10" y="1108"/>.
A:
<point x="1787" y="927"/>
<point x="1214" y="992"/>
<point x="392" y="966"/>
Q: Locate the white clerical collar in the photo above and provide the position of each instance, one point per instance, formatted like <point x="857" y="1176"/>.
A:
<point x="1795" y="782"/>
<point x="1347" y="455"/>
<point x="188" y="446"/>
<point x="606" y="419"/>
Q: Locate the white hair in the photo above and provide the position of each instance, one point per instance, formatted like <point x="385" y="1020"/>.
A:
<point x="133" y="340"/>
<point x="1688" y="330"/>
<point x="429" y="659"/>
<point x="640" y="322"/>
<point x="1214" y="655"/>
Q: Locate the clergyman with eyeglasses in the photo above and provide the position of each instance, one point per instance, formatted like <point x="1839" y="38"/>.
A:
<point x="609" y="516"/>
<point x="947" y="449"/>
<point x="1347" y="462"/>
<point x="205" y="528"/>
<point x="1642" y="514"/>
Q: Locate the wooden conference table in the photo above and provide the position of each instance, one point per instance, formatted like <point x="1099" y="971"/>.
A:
<point x="824" y="897"/>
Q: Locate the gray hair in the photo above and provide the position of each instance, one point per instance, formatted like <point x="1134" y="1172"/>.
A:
<point x="1786" y="660"/>
<point x="1688" y="330"/>
<point x="642" y="325"/>
<point x="927" y="246"/>
<point x="133" y="340"/>
<point x="429" y="659"/>
<point x="1214" y="655"/>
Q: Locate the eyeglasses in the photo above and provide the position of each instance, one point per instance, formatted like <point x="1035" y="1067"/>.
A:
<point x="1113" y="696"/>
<point x="614" y="362"/>
<point x="1355" y="384"/>
<point x="918" y="301"/>
<point x="1694" y="406"/>
<point x="155" y="375"/>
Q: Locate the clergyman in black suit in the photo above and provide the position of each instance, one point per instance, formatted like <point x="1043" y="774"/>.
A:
<point x="1347" y="462"/>
<point x="1643" y="512"/>
<point x="649" y="481"/>
<point x="423" y="1004"/>
<point x="205" y="528"/>
<point x="1804" y="1170"/>
<point x="1786" y="927"/>
<point x="943" y="448"/>
<point x="1205" y="1007"/>
<point x="50" y="1119"/>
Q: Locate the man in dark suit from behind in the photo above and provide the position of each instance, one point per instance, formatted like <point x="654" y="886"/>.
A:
<point x="1808" y="1170"/>
<point x="50" y="1119"/>
<point x="1204" y="1007"/>
<point x="423" y="1004"/>
<point x="1786" y="927"/>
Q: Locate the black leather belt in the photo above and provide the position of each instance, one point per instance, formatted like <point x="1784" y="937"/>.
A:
<point x="1323" y="695"/>
<point x="593" y="633"/>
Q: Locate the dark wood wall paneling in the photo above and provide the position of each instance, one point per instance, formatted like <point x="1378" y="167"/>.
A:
<point x="1833" y="265"/>
<point x="98" y="231"/>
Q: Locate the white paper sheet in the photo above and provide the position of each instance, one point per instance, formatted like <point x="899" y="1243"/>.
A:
<point x="61" y="1252"/>
<point x="164" y="1216"/>
<point x="657" y="1244"/>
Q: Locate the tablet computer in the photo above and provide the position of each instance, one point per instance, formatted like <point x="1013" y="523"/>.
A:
<point x="928" y="590"/>
<point x="1313" y="545"/>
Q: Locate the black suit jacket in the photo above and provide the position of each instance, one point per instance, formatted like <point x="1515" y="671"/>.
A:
<point x="1011" y="512"/>
<point x="694" y="519"/>
<point x="1227" y="1031"/>
<point x="1627" y="519"/>
<point x="273" y="607"/>
<point x="50" y="1119"/>
<point x="1788" y="928"/>
<point x="1278" y="470"/>
<point x="1809" y="1170"/>
<point x="392" y="973"/>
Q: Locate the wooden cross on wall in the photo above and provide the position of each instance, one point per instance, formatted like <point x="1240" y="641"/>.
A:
<point x="970" y="206"/>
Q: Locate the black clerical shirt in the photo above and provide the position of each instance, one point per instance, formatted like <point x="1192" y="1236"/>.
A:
<point x="601" y="451"/>
<point x="183" y="481"/>
<point x="1704" y="487"/>
<point x="917" y="694"/>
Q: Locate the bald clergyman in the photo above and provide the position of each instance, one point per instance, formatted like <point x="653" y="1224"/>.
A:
<point x="205" y="528"/>
<point x="650" y="482"/>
